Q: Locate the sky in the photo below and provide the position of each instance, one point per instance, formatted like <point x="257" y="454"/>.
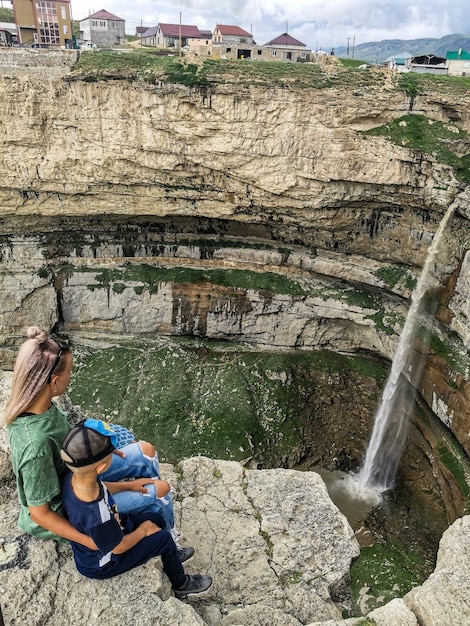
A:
<point x="320" y="25"/>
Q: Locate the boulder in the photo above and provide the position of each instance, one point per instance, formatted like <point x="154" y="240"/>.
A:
<point x="275" y="544"/>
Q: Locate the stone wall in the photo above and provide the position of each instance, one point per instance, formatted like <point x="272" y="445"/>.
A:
<point x="37" y="63"/>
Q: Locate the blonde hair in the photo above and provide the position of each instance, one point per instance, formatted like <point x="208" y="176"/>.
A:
<point x="34" y="366"/>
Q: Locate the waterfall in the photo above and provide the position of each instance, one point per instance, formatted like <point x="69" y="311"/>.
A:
<point x="391" y="420"/>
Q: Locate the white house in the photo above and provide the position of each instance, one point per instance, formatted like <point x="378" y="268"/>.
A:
<point x="104" y="29"/>
<point x="286" y="48"/>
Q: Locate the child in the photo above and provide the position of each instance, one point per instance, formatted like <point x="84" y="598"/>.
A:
<point x="123" y="541"/>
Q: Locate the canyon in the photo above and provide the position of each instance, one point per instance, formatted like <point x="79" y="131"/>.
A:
<point x="248" y="214"/>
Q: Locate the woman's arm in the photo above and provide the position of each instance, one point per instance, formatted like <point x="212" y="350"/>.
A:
<point x="132" y="539"/>
<point x="50" y="520"/>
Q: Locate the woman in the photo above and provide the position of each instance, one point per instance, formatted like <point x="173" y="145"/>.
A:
<point x="36" y="429"/>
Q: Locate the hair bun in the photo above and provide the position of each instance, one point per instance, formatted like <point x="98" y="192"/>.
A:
<point x="34" y="332"/>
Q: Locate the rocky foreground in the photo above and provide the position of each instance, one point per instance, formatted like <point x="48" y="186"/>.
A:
<point x="277" y="547"/>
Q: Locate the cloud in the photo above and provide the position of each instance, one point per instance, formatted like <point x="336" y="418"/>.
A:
<point x="316" y="23"/>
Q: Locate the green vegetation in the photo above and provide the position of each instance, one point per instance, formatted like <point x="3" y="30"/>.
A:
<point x="287" y="578"/>
<point x="150" y="66"/>
<point x="457" y="361"/>
<point x="430" y="137"/>
<point x="413" y="131"/>
<point x="7" y="15"/>
<point x="44" y="272"/>
<point x="411" y="86"/>
<point x="352" y="63"/>
<point x="452" y="459"/>
<point x="367" y="300"/>
<point x="269" y="543"/>
<point x="383" y="572"/>
<point x="391" y="275"/>
<point x="200" y="398"/>
<point x="150" y="276"/>
<point x="411" y="282"/>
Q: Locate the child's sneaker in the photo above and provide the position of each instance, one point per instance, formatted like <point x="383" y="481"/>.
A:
<point x="176" y="535"/>
<point x="197" y="584"/>
<point x="185" y="553"/>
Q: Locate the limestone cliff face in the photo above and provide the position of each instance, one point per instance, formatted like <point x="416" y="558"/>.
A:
<point x="97" y="178"/>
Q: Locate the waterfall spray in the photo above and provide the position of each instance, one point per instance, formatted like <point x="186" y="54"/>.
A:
<point x="391" y="420"/>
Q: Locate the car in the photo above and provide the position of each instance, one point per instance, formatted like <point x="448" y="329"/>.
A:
<point x="88" y="45"/>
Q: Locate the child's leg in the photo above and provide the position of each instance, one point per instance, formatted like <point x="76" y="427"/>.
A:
<point x="162" y="487"/>
<point x="158" y="544"/>
<point x="136" y="464"/>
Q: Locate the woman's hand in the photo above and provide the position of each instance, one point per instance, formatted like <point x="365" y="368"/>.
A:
<point x="44" y="516"/>
<point x="162" y="487"/>
<point x="149" y="528"/>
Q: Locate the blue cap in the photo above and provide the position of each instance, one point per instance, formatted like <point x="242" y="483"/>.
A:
<point x="103" y="428"/>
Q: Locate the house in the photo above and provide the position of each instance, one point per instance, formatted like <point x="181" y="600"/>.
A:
<point x="458" y="63"/>
<point x="177" y="35"/>
<point x="206" y="37"/>
<point x="104" y="29"/>
<point x="400" y="63"/>
<point x="285" y="48"/>
<point x="224" y="34"/>
<point x="7" y="34"/>
<point x="44" y="24"/>
<point x="428" y="64"/>
<point x="149" y="37"/>
<point x="232" y="42"/>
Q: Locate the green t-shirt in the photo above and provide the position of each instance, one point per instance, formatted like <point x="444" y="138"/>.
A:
<point x="35" y="442"/>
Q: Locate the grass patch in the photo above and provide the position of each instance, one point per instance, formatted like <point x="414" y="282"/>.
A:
<point x="352" y="63"/>
<point x="384" y="572"/>
<point x="457" y="361"/>
<point x="430" y="137"/>
<point x="150" y="276"/>
<point x="151" y="67"/>
<point x="391" y="275"/>
<point x="191" y="397"/>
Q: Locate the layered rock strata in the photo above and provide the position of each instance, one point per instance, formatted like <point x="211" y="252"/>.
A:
<point x="101" y="175"/>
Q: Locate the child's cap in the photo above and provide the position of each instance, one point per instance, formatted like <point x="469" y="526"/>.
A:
<point x="88" y="442"/>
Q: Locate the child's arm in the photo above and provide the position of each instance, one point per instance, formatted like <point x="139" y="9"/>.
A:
<point x="132" y="539"/>
<point x="50" y="520"/>
<point x="162" y="487"/>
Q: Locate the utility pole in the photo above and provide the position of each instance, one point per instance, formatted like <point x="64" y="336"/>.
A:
<point x="354" y="43"/>
<point x="347" y="49"/>
<point x="180" y="36"/>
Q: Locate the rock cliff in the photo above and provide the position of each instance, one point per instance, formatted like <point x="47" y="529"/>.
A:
<point x="243" y="213"/>
<point x="101" y="178"/>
